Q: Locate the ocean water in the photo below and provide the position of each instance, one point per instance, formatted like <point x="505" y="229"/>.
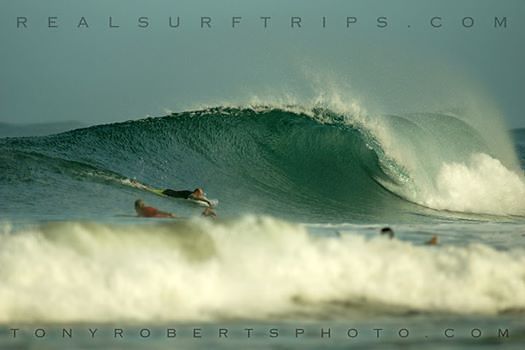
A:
<point x="295" y="250"/>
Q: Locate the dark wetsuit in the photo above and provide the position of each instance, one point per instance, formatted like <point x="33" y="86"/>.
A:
<point x="177" y="194"/>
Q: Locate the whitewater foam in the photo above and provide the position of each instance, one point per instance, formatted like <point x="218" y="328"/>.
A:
<point x="481" y="185"/>
<point x="252" y="267"/>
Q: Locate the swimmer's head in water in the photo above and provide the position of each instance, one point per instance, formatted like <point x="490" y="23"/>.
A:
<point x="387" y="231"/>
<point x="139" y="203"/>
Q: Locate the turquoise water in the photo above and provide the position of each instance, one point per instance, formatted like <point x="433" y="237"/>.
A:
<point x="303" y="194"/>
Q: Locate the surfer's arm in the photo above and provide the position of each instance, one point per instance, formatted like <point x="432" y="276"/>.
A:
<point x="203" y="199"/>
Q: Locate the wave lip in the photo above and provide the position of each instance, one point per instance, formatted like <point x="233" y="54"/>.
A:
<point x="249" y="268"/>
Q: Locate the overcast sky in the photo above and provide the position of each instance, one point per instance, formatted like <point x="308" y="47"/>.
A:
<point x="100" y="74"/>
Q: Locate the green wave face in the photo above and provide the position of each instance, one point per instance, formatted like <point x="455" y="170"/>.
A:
<point x="313" y="165"/>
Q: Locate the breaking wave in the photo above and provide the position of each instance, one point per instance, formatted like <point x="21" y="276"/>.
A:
<point x="251" y="267"/>
<point x="306" y="162"/>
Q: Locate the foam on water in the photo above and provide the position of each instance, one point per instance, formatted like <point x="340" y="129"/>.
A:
<point x="481" y="185"/>
<point x="252" y="267"/>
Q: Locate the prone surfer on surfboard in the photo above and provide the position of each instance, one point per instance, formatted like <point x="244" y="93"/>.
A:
<point x="150" y="212"/>
<point x="145" y="211"/>
<point x="197" y="194"/>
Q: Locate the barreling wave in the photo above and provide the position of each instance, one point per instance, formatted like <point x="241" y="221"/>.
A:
<point x="306" y="162"/>
<point x="249" y="267"/>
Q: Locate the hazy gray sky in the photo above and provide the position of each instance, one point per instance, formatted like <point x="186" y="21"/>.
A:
<point x="101" y="74"/>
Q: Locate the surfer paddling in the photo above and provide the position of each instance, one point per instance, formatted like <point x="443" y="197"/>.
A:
<point x="144" y="211"/>
<point x="197" y="194"/>
<point x="387" y="231"/>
